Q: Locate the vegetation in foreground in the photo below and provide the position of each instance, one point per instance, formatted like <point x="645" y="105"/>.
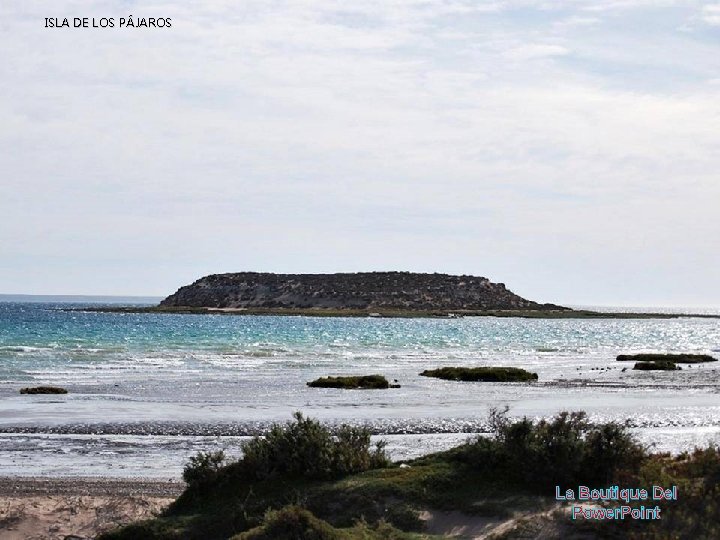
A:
<point x="660" y="365"/>
<point x="301" y="481"/>
<point x="675" y="358"/>
<point x="296" y="522"/>
<point x="43" y="390"/>
<point x="353" y="382"/>
<point x="695" y="515"/>
<point x="485" y="374"/>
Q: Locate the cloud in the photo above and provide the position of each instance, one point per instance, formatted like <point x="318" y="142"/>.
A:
<point x="577" y="20"/>
<point x="536" y="50"/>
<point x="616" y="5"/>
<point x="711" y="14"/>
<point x="322" y="136"/>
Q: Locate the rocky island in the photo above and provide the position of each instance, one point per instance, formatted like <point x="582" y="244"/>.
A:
<point x="363" y="294"/>
<point x="362" y="291"/>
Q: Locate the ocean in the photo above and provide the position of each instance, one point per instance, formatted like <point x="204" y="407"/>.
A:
<point x="146" y="391"/>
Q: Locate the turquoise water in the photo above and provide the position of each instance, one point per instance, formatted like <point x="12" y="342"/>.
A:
<point x="149" y="376"/>
<point x="41" y="335"/>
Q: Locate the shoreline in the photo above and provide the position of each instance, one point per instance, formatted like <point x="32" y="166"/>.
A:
<point x="391" y="314"/>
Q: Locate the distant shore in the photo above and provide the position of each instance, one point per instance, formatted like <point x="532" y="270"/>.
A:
<point x="396" y="313"/>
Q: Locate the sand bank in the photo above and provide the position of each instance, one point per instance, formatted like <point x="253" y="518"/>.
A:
<point x="77" y="508"/>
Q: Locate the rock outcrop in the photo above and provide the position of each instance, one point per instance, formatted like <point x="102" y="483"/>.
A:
<point x="360" y="291"/>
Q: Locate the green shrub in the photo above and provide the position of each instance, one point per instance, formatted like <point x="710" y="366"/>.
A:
<point x="487" y="374"/>
<point x="203" y="467"/>
<point x="566" y="450"/>
<point x="305" y="448"/>
<point x="364" y="381"/>
<point x="404" y="517"/>
<point x="297" y="523"/>
<point x="610" y="448"/>
<point x="292" y="523"/>
<point x="695" y="515"/>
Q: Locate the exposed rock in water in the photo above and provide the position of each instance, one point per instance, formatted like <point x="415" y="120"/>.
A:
<point x="366" y="290"/>
<point x="351" y="382"/>
<point x="486" y="374"/>
<point x="661" y="357"/>
<point x="43" y="390"/>
<point x="658" y="365"/>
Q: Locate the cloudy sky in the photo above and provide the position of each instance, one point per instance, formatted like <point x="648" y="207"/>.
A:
<point x="569" y="149"/>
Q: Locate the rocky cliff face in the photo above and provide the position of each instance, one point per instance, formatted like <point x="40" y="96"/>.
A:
<point x="368" y="290"/>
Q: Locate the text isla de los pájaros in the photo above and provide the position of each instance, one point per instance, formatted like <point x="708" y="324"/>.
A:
<point x="108" y="22"/>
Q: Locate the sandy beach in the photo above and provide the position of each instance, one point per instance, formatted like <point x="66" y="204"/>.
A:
<point x="77" y="508"/>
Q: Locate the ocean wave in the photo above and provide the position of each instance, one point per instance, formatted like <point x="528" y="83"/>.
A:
<point x="377" y="426"/>
<point x="26" y="349"/>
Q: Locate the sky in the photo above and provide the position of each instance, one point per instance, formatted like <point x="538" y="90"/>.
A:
<point x="570" y="150"/>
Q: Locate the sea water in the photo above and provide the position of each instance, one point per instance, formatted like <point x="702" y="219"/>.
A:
<point x="148" y="390"/>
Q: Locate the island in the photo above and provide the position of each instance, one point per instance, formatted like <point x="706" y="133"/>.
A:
<point x="363" y="294"/>
<point x="366" y="291"/>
